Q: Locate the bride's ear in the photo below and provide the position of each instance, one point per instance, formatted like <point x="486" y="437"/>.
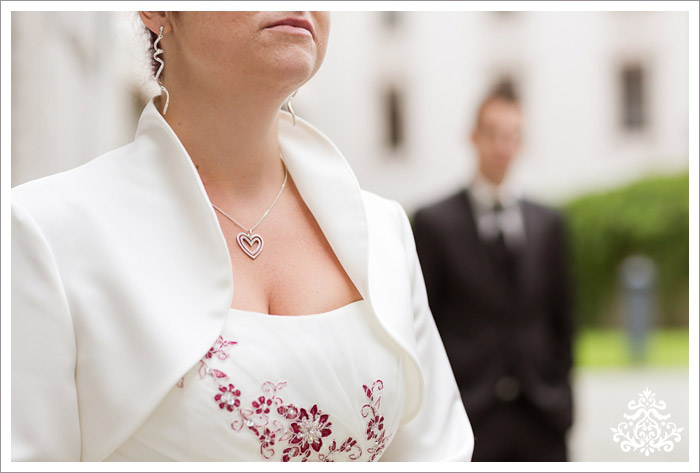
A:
<point x="155" y="19"/>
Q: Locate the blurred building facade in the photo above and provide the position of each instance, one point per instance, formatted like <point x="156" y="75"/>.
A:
<point x="605" y="99"/>
<point x="78" y="85"/>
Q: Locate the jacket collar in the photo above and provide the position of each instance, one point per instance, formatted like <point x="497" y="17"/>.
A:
<point x="190" y="312"/>
<point x="320" y="172"/>
<point x="331" y="191"/>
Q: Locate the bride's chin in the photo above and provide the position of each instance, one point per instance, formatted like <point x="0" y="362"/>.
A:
<point x="294" y="73"/>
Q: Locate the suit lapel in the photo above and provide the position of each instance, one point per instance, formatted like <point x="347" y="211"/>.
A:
<point x="482" y="270"/>
<point x="529" y="255"/>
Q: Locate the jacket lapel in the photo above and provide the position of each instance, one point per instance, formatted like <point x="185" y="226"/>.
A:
<point x="331" y="191"/>
<point x="194" y="317"/>
<point x="481" y="271"/>
<point x="372" y="260"/>
<point x="167" y="297"/>
<point x="530" y="254"/>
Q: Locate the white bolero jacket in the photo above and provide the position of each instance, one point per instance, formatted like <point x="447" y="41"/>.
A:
<point x="121" y="281"/>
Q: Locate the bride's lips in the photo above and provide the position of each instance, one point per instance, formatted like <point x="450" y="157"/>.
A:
<point x="293" y="25"/>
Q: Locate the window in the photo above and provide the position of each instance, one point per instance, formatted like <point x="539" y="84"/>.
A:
<point x="633" y="83"/>
<point x="393" y="106"/>
<point x="391" y="19"/>
<point x="504" y="13"/>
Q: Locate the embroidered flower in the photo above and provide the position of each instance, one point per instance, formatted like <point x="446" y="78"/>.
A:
<point x="288" y="411"/>
<point x="310" y="428"/>
<point x="346" y="447"/>
<point x="228" y="397"/>
<point x="267" y="438"/>
<point x="220" y="349"/>
<point x="262" y="405"/>
<point x="379" y="446"/>
<point x="375" y="426"/>
<point x="275" y="423"/>
<point x="267" y="441"/>
<point x="293" y="452"/>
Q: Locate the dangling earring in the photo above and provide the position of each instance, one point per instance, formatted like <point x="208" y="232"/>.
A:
<point x="160" y="69"/>
<point x="291" y="110"/>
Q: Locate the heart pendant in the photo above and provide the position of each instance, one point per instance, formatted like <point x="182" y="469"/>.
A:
<point x="251" y="245"/>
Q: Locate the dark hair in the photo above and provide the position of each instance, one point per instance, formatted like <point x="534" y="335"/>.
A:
<point x="503" y="91"/>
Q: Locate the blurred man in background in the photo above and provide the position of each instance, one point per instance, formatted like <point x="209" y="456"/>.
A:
<point x="495" y="270"/>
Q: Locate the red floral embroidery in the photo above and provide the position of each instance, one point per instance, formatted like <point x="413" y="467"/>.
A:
<point x="375" y="426"/>
<point x="267" y="441"/>
<point x="303" y="431"/>
<point x="347" y="447"/>
<point x="288" y="411"/>
<point x="262" y="405"/>
<point x="293" y="452"/>
<point x="204" y="371"/>
<point x="219" y="349"/>
<point x="310" y="428"/>
<point x="228" y="397"/>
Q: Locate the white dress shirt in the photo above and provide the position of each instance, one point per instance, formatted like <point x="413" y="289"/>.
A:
<point x="484" y="196"/>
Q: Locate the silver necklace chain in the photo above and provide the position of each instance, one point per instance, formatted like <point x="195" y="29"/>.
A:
<point x="251" y="243"/>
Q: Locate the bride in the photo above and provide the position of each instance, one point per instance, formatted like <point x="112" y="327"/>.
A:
<point x="221" y="289"/>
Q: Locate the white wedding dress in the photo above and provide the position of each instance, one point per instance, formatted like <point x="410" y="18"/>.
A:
<point x="320" y="387"/>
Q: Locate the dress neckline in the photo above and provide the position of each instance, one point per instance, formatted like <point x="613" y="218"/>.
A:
<point x="333" y="313"/>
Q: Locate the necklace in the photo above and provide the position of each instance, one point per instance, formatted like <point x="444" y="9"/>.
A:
<point x="252" y="243"/>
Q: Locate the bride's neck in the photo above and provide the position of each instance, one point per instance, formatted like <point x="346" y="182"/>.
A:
<point x="231" y="138"/>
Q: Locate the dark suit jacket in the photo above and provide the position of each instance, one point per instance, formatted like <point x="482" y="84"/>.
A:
<point x="490" y="329"/>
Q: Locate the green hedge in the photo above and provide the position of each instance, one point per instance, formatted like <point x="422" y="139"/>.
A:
<point x="609" y="348"/>
<point x="647" y="217"/>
